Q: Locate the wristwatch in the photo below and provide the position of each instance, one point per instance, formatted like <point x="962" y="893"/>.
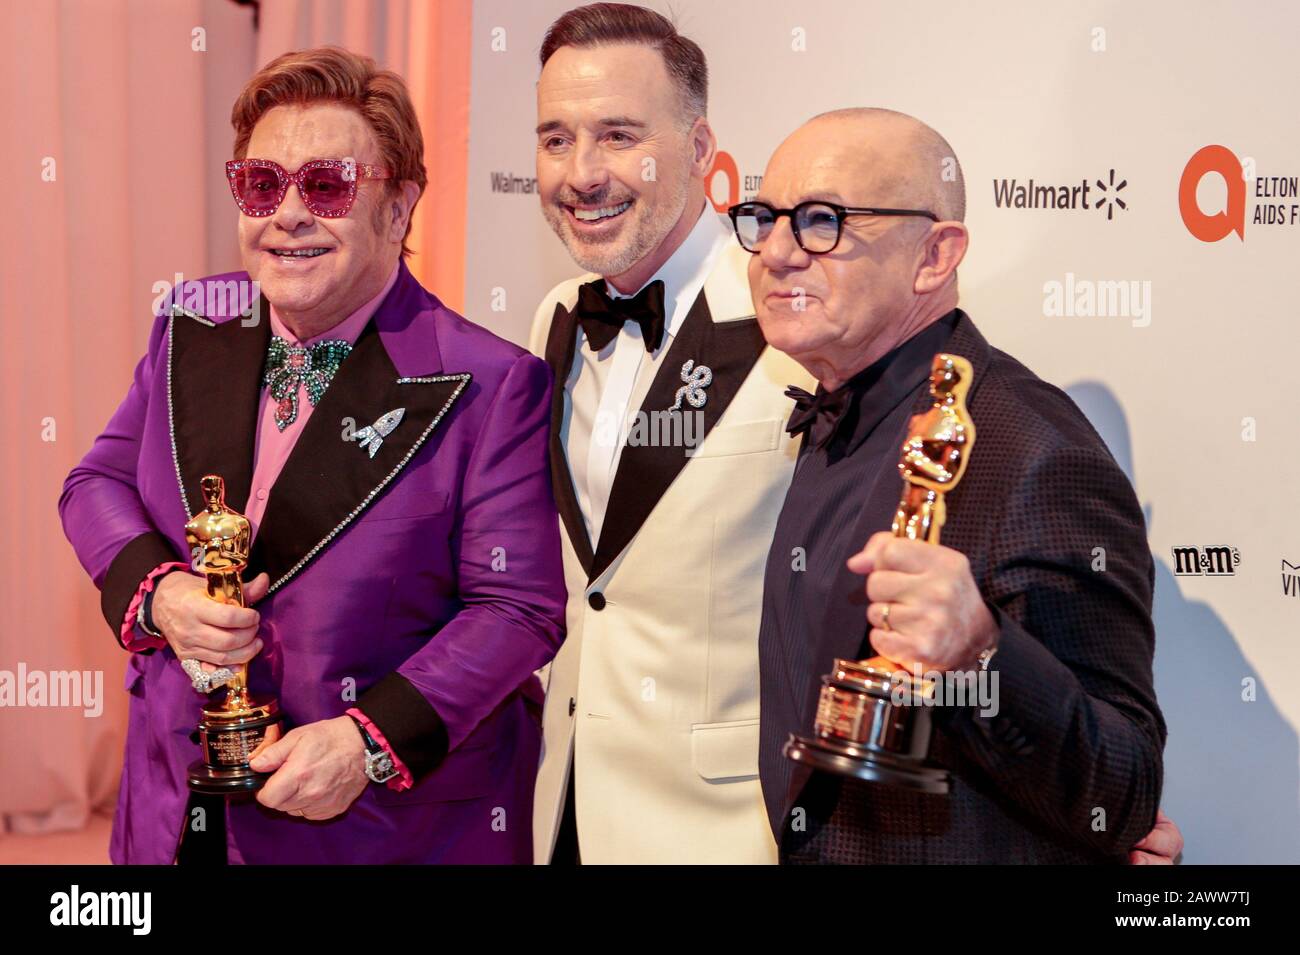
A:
<point x="144" y="617"/>
<point x="379" y="764"/>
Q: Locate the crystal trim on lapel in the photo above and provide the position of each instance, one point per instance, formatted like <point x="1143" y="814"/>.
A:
<point x="171" y="411"/>
<point x="178" y="311"/>
<point x="464" y="380"/>
<point x="190" y="313"/>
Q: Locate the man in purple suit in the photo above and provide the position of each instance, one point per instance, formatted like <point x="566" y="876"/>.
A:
<point x="405" y="575"/>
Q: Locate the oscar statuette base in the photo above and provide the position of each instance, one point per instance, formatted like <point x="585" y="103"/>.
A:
<point x="861" y="731"/>
<point x="226" y="739"/>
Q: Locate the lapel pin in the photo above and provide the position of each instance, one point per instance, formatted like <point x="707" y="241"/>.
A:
<point x="696" y="381"/>
<point x="374" y="434"/>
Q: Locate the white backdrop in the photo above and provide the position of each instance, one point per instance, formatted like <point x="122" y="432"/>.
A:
<point x="1192" y="385"/>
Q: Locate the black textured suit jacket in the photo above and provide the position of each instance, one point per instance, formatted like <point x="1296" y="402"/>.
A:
<point x="1070" y="768"/>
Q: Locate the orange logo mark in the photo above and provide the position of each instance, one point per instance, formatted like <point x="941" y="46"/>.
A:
<point x="723" y="163"/>
<point x="1212" y="228"/>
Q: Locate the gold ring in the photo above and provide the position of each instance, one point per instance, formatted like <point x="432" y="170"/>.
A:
<point x="884" y="618"/>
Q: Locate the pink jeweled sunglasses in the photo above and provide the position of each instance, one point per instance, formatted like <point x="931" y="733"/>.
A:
<point x="327" y="186"/>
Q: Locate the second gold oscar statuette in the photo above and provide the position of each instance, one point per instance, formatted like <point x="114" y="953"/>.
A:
<point x="861" y="730"/>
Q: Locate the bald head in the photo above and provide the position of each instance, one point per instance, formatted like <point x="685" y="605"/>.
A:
<point x="901" y="162"/>
<point x="837" y="309"/>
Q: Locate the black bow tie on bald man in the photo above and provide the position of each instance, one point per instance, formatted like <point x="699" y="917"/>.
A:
<point x="602" y="317"/>
<point x="819" y="415"/>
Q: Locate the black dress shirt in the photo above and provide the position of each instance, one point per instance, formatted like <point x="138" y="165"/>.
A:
<point x="815" y="530"/>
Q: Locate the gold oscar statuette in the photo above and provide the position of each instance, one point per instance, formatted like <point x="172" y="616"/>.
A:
<point x="231" y="729"/>
<point x="867" y="725"/>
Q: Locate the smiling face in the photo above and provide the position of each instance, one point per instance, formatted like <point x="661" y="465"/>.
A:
<point x="838" y="312"/>
<point x="351" y="257"/>
<point x="619" y="171"/>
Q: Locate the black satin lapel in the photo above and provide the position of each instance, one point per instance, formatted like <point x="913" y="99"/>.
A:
<point x="646" y="471"/>
<point x="560" y="343"/>
<point x="329" y="479"/>
<point x="215" y="380"/>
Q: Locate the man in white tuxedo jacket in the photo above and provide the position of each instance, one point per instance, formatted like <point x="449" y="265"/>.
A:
<point x="650" y="749"/>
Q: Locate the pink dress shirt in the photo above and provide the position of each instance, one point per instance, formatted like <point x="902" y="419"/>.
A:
<point x="271" y="449"/>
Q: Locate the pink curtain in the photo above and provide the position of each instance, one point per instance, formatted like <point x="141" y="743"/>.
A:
<point x="116" y="127"/>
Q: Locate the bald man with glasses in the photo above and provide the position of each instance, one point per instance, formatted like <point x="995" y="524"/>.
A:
<point x="1065" y="765"/>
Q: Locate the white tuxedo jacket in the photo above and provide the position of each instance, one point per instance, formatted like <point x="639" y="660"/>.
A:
<point x="655" y="690"/>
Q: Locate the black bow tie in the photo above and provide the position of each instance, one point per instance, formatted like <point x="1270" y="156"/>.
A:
<point x="602" y="317"/>
<point x="818" y="414"/>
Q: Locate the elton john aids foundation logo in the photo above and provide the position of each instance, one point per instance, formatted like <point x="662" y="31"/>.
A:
<point x="1239" y="179"/>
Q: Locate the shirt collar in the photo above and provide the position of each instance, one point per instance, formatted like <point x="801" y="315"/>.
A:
<point x="687" y="269"/>
<point x="349" y="330"/>
<point x="878" y="388"/>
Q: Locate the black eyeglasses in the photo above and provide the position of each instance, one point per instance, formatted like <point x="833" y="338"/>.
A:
<point x="816" y="225"/>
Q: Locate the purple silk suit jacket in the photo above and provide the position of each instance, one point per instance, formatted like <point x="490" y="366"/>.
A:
<point x="423" y="585"/>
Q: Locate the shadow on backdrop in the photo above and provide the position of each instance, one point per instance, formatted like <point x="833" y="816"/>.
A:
<point x="1232" y="768"/>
